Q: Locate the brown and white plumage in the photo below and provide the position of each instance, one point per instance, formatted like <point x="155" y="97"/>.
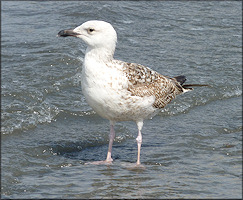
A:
<point x="117" y="90"/>
<point x="147" y="82"/>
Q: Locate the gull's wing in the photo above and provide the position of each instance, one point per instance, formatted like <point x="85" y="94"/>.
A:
<point x="144" y="81"/>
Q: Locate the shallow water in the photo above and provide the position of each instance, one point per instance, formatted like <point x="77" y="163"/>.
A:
<point x="192" y="149"/>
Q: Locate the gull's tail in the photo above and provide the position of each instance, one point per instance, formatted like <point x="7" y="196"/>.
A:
<point x="188" y="87"/>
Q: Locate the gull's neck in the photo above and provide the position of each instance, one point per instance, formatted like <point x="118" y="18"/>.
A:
<point x="100" y="54"/>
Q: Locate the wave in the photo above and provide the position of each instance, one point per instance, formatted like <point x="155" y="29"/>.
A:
<point x="200" y="97"/>
<point x="21" y="117"/>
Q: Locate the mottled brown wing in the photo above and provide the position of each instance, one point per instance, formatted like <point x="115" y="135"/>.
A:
<point x="143" y="81"/>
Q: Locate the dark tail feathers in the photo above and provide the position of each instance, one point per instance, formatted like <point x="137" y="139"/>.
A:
<point x="182" y="80"/>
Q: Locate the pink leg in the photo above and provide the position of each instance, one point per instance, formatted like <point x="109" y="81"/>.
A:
<point x="111" y="139"/>
<point x="139" y="139"/>
<point x="108" y="158"/>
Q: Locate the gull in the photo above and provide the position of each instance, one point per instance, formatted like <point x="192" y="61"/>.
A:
<point x="118" y="90"/>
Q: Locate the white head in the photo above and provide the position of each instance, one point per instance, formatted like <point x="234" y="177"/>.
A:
<point x="96" y="34"/>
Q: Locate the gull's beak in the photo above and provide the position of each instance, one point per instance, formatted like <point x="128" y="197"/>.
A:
<point x="65" y="33"/>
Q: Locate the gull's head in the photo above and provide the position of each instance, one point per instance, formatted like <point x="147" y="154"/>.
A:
<point x="96" y="34"/>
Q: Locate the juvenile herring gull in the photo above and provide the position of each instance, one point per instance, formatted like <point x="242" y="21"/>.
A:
<point x="117" y="90"/>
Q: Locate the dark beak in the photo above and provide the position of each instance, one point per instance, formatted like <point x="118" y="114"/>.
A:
<point x="65" y="33"/>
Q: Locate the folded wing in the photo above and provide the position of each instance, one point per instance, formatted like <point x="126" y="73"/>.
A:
<point x="143" y="81"/>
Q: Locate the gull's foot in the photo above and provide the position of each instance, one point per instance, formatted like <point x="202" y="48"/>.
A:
<point x="133" y="166"/>
<point x="102" y="162"/>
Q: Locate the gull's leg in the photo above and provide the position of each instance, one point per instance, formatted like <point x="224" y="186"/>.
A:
<point x="111" y="139"/>
<point x="139" y="139"/>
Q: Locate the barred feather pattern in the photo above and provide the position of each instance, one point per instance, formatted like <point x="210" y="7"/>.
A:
<point x="144" y="81"/>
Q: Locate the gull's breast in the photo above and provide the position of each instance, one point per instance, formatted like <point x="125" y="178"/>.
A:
<point x="106" y="91"/>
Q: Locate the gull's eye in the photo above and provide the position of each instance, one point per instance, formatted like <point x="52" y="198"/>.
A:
<point x="90" y="30"/>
